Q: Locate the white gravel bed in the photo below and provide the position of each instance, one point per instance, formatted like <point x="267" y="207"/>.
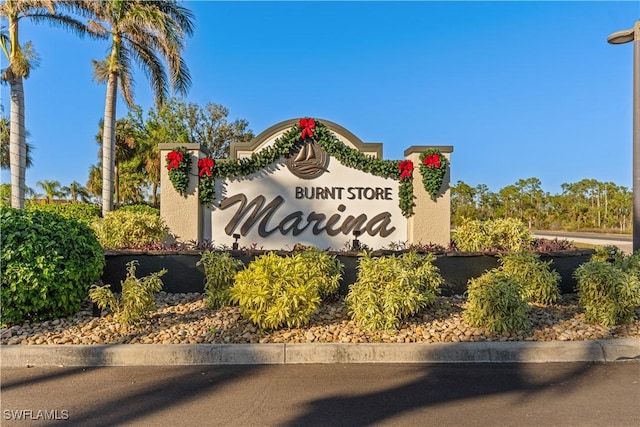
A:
<point x="184" y="319"/>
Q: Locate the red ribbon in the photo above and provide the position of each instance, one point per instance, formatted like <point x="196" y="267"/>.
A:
<point x="307" y="126"/>
<point x="174" y="157"/>
<point x="406" y="169"/>
<point x="205" y="165"/>
<point x="432" y="161"/>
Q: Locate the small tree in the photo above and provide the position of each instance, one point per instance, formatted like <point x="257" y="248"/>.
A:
<point x="137" y="301"/>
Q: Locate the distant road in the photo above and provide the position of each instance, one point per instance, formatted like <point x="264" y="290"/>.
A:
<point x="623" y="241"/>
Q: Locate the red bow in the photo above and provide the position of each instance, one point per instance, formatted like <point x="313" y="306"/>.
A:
<point x="406" y="169"/>
<point x="174" y="157"/>
<point x="205" y="165"/>
<point x="432" y="161"/>
<point x="307" y="126"/>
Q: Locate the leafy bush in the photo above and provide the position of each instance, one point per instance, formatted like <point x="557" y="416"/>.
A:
<point x="328" y="270"/>
<point x="495" y="302"/>
<point x="608" y="253"/>
<point x="539" y="283"/>
<point x="551" y="245"/>
<point x="504" y="234"/>
<point x="220" y="269"/>
<point x="631" y="264"/>
<point x="608" y="294"/>
<point x="276" y="291"/>
<point x="83" y="212"/>
<point x="391" y="288"/>
<point x="137" y="300"/>
<point x="614" y="255"/>
<point x="122" y="229"/>
<point x="47" y="262"/>
<point x="140" y="208"/>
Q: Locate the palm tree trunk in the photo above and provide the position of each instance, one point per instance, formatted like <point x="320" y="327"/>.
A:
<point x="17" y="146"/>
<point x="17" y="138"/>
<point x="116" y="176"/>
<point x="108" y="144"/>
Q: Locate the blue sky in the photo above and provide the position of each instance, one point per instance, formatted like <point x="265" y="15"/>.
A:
<point x="520" y="89"/>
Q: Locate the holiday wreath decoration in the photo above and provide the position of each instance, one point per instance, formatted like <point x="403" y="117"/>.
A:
<point x="433" y="167"/>
<point x="206" y="181"/>
<point x="178" y="163"/>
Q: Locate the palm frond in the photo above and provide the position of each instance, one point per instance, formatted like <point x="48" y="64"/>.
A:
<point x="68" y="23"/>
<point x="100" y="70"/>
<point x="125" y="75"/>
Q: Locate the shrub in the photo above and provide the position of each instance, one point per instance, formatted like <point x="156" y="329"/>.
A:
<point x="391" y="288"/>
<point x="328" y="270"/>
<point x="47" y="262"/>
<point x="495" y="302"/>
<point x="505" y="234"/>
<point x="608" y="294"/>
<point x="83" y="212"/>
<point x="551" y="245"/>
<point x="122" y="229"/>
<point x="631" y="264"/>
<point x="539" y="283"/>
<point x="614" y="255"/>
<point x="137" y="300"/>
<point x="220" y="269"/>
<point x="608" y="253"/>
<point x="140" y="208"/>
<point x="276" y="291"/>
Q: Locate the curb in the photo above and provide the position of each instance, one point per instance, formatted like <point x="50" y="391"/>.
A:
<point x="20" y="356"/>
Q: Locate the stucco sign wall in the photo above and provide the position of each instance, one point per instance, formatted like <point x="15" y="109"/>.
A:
<point x="308" y="182"/>
<point x="276" y="209"/>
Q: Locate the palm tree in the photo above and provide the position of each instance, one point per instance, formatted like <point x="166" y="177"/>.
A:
<point x="51" y="189"/>
<point x="21" y="59"/>
<point x="75" y="190"/>
<point x="145" y="32"/>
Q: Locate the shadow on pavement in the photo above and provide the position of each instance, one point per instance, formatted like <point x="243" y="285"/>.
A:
<point x="438" y="384"/>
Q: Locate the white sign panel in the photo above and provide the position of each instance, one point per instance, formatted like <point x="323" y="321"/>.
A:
<point x="275" y="209"/>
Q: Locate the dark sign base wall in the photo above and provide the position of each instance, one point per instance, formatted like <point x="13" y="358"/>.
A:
<point x="183" y="276"/>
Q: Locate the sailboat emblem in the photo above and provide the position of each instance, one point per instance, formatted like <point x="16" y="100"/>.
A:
<point x="309" y="162"/>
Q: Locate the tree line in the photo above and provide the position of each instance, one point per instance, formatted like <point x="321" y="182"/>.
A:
<point x="584" y="205"/>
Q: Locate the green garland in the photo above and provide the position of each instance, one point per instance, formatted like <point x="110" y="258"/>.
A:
<point x="324" y="138"/>
<point x="405" y="194"/>
<point x="178" y="164"/>
<point x="433" y="167"/>
<point x="334" y="147"/>
<point x="405" y="191"/>
<point x="206" y="181"/>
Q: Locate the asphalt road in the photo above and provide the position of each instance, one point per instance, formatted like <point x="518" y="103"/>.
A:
<point x="575" y="394"/>
<point x="623" y="241"/>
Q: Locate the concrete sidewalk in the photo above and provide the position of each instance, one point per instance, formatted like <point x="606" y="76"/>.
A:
<point x="256" y="354"/>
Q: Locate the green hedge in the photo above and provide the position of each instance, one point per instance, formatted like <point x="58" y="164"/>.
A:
<point x="48" y="263"/>
<point x="84" y="212"/>
<point x="123" y="229"/>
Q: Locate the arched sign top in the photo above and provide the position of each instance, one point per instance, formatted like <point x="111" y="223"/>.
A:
<point x="269" y="136"/>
